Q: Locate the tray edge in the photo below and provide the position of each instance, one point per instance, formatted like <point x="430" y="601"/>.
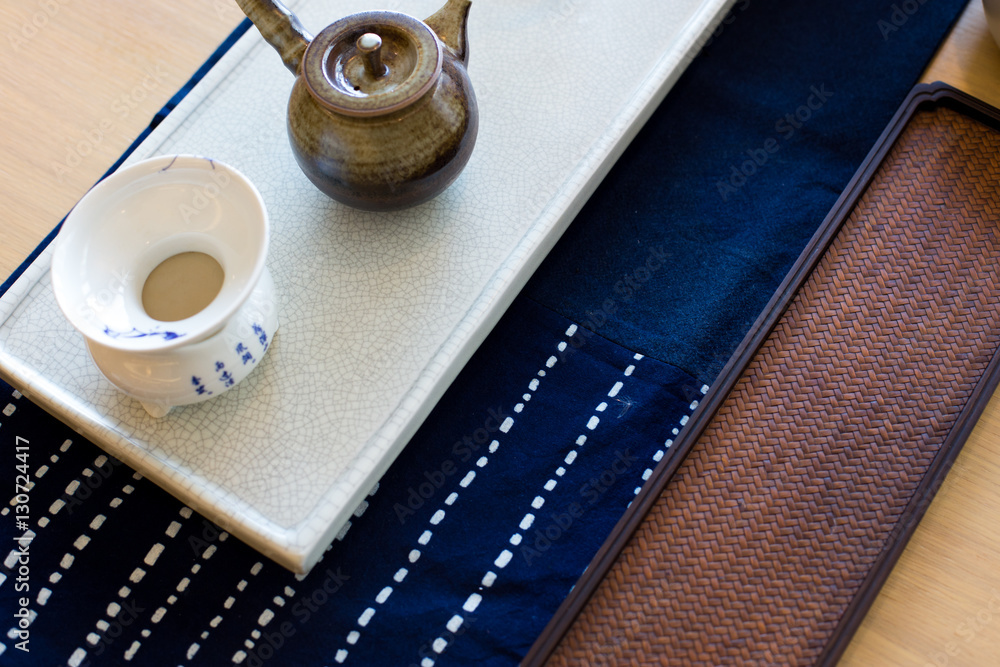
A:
<point x="921" y="96"/>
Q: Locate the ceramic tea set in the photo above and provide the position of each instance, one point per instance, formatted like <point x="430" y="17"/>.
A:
<point x="149" y="343"/>
<point x="161" y="266"/>
<point x="382" y="114"/>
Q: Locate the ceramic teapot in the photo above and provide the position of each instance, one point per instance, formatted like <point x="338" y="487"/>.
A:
<point x="382" y="114"/>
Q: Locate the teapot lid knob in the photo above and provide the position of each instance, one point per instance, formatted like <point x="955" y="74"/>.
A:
<point x="372" y="63"/>
<point x="369" y="42"/>
<point x="370" y="46"/>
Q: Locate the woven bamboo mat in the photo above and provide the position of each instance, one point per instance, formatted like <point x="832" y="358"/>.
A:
<point x="771" y="536"/>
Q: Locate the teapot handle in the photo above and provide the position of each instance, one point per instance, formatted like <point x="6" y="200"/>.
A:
<point x="280" y="28"/>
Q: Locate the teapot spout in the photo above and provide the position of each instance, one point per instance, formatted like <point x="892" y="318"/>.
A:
<point x="450" y="23"/>
<point x="280" y="28"/>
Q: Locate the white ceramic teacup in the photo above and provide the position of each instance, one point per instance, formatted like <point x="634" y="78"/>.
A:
<point x="161" y="267"/>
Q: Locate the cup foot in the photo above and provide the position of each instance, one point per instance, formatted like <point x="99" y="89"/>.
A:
<point x="155" y="410"/>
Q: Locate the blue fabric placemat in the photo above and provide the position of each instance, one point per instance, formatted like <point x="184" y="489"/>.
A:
<point x="480" y="528"/>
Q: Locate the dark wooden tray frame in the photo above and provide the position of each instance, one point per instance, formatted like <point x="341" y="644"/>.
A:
<point x="923" y="96"/>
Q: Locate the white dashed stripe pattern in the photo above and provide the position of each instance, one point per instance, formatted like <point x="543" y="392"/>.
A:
<point x="171" y="531"/>
<point x="265" y="617"/>
<point x="115" y="608"/>
<point x="504" y="558"/>
<point x="342" y="654"/>
<point x="81" y="541"/>
<point x="268" y="614"/>
<point x="616" y="405"/>
<point x="660" y="453"/>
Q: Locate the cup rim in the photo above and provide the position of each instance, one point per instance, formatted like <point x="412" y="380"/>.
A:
<point x="82" y="221"/>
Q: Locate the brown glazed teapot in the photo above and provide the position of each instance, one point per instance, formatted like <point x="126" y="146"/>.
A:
<point x="382" y="114"/>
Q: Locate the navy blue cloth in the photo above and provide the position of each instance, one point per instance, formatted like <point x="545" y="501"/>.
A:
<point x="736" y="170"/>
<point x="596" y="422"/>
<point x="494" y="509"/>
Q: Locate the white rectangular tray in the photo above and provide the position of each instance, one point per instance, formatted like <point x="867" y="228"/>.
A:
<point x="379" y="312"/>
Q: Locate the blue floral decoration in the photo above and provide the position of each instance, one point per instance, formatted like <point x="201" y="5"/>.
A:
<point x="135" y="333"/>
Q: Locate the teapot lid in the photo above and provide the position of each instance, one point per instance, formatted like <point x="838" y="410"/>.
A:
<point x="372" y="63"/>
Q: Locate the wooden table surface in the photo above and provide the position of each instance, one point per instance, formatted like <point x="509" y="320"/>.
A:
<point x="79" y="81"/>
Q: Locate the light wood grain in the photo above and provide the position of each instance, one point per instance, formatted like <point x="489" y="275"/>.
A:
<point x="969" y="59"/>
<point x="79" y="80"/>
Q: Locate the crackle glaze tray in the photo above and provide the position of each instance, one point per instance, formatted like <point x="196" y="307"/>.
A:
<point x="379" y="311"/>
